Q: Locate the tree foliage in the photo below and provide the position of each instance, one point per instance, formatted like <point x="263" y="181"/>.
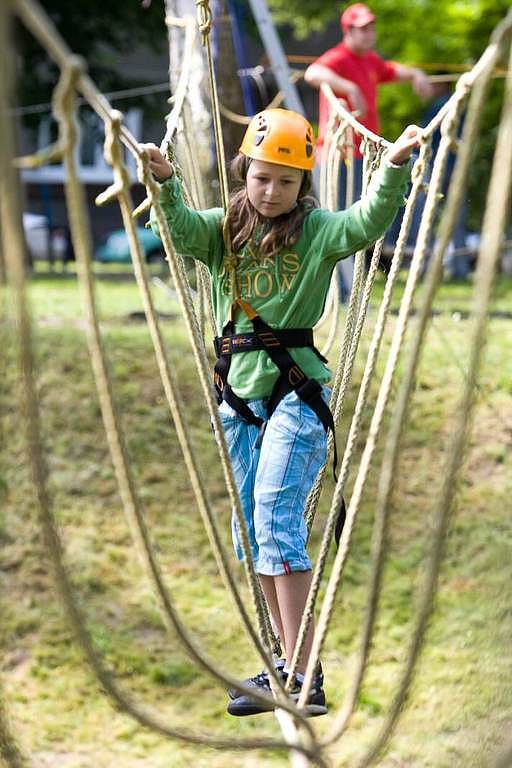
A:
<point x="96" y="30"/>
<point x="434" y="34"/>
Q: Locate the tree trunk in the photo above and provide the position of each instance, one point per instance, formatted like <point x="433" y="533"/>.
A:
<point x="228" y="82"/>
<point x="200" y="108"/>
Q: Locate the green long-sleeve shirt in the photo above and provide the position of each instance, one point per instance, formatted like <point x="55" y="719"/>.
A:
<point x="287" y="290"/>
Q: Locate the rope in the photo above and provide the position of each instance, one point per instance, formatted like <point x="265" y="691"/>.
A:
<point x="81" y="238"/>
<point x="204" y="375"/>
<point x="204" y="21"/>
<point x="368" y="374"/>
<point x="492" y="230"/>
<point x="342" y="379"/>
<point x="13" y="252"/>
<point x="396" y="344"/>
<point x="73" y="78"/>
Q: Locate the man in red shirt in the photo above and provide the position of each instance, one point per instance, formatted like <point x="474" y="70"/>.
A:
<point x="354" y="70"/>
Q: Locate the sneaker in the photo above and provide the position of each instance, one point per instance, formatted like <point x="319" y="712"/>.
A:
<point x="245" y="705"/>
<point x="315" y="704"/>
<point x="258" y="681"/>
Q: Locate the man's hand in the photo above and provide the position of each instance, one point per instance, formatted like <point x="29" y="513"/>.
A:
<point x="159" y="165"/>
<point x="422" y="85"/>
<point x="357" y="100"/>
<point x="400" y="151"/>
<point x="418" y="79"/>
<point x="316" y="74"/>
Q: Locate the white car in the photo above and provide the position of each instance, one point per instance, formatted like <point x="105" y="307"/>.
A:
<point x="37" y="236"/>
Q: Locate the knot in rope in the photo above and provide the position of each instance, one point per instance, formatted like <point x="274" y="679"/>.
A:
<point x="145" y="176"/>
<point x="344" y="136"/>
<point x="114" y="157"/>
<point x="419" y="167"/>
<point x="204" y="19"/>
<point x="112" y="134"/>
<point x="63" y="99"/>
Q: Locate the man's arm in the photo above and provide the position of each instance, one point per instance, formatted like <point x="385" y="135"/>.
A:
<point x="316" y="74"/>
<point x="418" y="79"/>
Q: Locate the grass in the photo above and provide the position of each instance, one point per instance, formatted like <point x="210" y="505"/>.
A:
<point x="460" y="708"/>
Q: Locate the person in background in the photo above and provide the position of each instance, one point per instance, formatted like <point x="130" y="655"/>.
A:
<point x="457" y="263"/>
<point x="354" y="70"/>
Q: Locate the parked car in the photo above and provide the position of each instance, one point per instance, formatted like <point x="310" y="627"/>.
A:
<point x="115" y="249"/>
<point x="46" y="243"/>
<point x="37" y="236"/>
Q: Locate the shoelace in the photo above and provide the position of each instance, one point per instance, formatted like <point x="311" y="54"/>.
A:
<point x="316" y="685"/>
<point x="261" y="680"/>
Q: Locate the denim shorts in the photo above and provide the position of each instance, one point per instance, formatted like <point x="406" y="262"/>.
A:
<point x="274" y="479"/>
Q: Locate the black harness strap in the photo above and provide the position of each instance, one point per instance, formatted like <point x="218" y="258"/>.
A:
<point x="250" y="342"/>
<point x="292" y="376"/>
<point x="220" y="379"/>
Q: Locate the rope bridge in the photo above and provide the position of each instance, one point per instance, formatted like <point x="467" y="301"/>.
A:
<point x="301" y="741"/>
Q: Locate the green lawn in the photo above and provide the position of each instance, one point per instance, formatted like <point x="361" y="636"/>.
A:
<point x="460" y="708"/>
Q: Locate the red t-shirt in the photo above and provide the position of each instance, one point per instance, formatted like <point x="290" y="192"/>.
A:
<point x="367" y="70"/>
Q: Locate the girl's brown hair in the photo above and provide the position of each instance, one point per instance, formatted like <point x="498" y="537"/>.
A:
<point x="243" y="219"/>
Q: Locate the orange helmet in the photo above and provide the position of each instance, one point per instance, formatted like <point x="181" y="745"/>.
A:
<point x="280" y="136"/>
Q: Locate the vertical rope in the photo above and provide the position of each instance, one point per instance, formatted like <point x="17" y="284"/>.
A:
<point x="384" y="392"/>
<point x="492" y="232"/>
<point x="14" y="252"/>
<point x="418" y="171"/>
<point x="204" y="21"/>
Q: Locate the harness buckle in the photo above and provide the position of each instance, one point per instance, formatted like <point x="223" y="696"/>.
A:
<point x="295" y="375"/>
<point x="217" y="380"/>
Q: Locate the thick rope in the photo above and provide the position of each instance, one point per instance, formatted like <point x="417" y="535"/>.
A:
<point x="181" y="284"/>
<point x="82" y="248"/>
<point x="370" y="366"/>
<point x="115" y="158"/>
<point x="396" y="344"/>
<point x="340" y="389"/>
<point x="204" y="21"/>
<point x="199" y="201"/>
<point x="449" y="137"/>
<point x="358" y="304"/>
<point x="329" y="198"/>
<point x="14" y="253"/>
<point x="204" y="374"/>
<point x="492" y="231"/>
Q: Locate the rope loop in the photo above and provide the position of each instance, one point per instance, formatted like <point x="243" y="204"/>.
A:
<point x="419" y="167"/>
<point x="64" y="95"/>
<point x="204" y="19"/>
<point x="113" y="153"/>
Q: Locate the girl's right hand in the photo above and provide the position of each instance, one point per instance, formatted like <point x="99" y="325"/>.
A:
<point x="159" y="165"/>
<point x="400" y="151"/>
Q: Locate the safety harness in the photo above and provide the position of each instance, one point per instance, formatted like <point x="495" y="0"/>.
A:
<point x="292" y="377"/>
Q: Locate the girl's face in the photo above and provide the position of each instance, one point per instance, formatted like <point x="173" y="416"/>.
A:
<point x="272" y="189"/>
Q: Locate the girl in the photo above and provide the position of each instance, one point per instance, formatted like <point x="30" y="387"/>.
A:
<point x="270" y="379"/>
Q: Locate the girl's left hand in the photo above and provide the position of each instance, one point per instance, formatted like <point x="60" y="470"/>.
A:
<point x="400" y="151"/>
<point x="160" y="166"/>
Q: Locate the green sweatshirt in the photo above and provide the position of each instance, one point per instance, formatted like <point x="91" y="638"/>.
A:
<point x="289" y="289"/>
